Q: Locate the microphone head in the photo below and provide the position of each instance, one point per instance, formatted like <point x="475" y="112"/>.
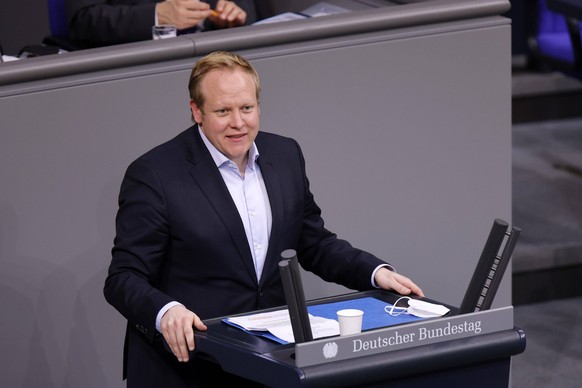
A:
<point x="289" y="254"/>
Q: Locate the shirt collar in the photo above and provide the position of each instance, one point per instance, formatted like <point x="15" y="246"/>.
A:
<point x="220" y="159"/>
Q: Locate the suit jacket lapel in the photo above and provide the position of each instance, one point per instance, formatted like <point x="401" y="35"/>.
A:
<point x="208" y="178"/>
<point x="271" y="178"/>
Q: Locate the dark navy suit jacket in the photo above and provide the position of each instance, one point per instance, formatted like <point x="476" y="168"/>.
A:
<point x="180" y="238"/>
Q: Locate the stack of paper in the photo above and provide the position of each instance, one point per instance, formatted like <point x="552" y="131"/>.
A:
<point x="278" y="324"/>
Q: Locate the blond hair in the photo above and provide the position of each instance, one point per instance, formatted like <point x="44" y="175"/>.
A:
<point x="214" y="61"/>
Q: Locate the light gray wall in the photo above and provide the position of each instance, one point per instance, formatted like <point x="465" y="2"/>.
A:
<point x="406" y="135"/>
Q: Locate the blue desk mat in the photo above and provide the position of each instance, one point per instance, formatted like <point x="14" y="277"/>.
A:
<point x="374" y="314"/>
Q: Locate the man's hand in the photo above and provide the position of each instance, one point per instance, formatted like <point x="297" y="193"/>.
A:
<point x="177" y="328"/>
<point x="182" y="13"/>
<point x="390" y="280"/>
<point x="228" y="14"/>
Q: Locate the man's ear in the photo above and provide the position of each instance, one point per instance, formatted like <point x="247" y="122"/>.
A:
<point x="196" y="112"/>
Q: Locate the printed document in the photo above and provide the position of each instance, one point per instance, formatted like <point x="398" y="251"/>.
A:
<point x="278" y="324"/>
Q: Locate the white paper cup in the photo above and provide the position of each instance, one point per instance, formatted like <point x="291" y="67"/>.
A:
<point x="350" y="321"/>
<point x="164" y="31"/>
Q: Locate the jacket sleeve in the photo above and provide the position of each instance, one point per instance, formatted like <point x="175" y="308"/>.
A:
<point x="321" y="251"/>
<point x="141" y="239"/>
<point x="99" y="23"/>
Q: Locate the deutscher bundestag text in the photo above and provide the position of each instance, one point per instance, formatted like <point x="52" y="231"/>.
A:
<point x="422" y="334"/>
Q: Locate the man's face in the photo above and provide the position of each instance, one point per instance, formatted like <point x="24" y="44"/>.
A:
<point x="230" y="114"/>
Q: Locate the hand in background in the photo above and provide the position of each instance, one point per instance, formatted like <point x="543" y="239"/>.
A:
<point x="183" y="14"/>
<point x="228" y="15"/>
<point x="177" y="328"/>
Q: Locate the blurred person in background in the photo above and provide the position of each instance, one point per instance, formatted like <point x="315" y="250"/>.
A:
<point x="94" y="23"/>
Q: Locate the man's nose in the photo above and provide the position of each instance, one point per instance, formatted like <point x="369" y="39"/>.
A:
<point x="236" y="120"/>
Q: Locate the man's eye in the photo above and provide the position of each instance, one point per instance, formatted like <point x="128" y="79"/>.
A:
<point x="248" y="108"/>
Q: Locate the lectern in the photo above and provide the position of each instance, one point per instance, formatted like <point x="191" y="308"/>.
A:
<point x="470" y="346"/>
<point x="443" y="352"/>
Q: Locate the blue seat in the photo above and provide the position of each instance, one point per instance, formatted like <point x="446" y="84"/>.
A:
<point x="556" y="41"/>
<point x="58" y="18"/>
<point x="59" y="26"/>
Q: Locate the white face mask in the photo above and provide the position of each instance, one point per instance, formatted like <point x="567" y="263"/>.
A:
<point x="417" y="308"/>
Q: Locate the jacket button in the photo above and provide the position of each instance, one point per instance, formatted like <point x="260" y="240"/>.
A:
<point x="142" y="329"/>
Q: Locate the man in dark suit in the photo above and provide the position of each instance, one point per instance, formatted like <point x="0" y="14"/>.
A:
<point x="94" y="23"/>
<point x="202" y="221"/>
